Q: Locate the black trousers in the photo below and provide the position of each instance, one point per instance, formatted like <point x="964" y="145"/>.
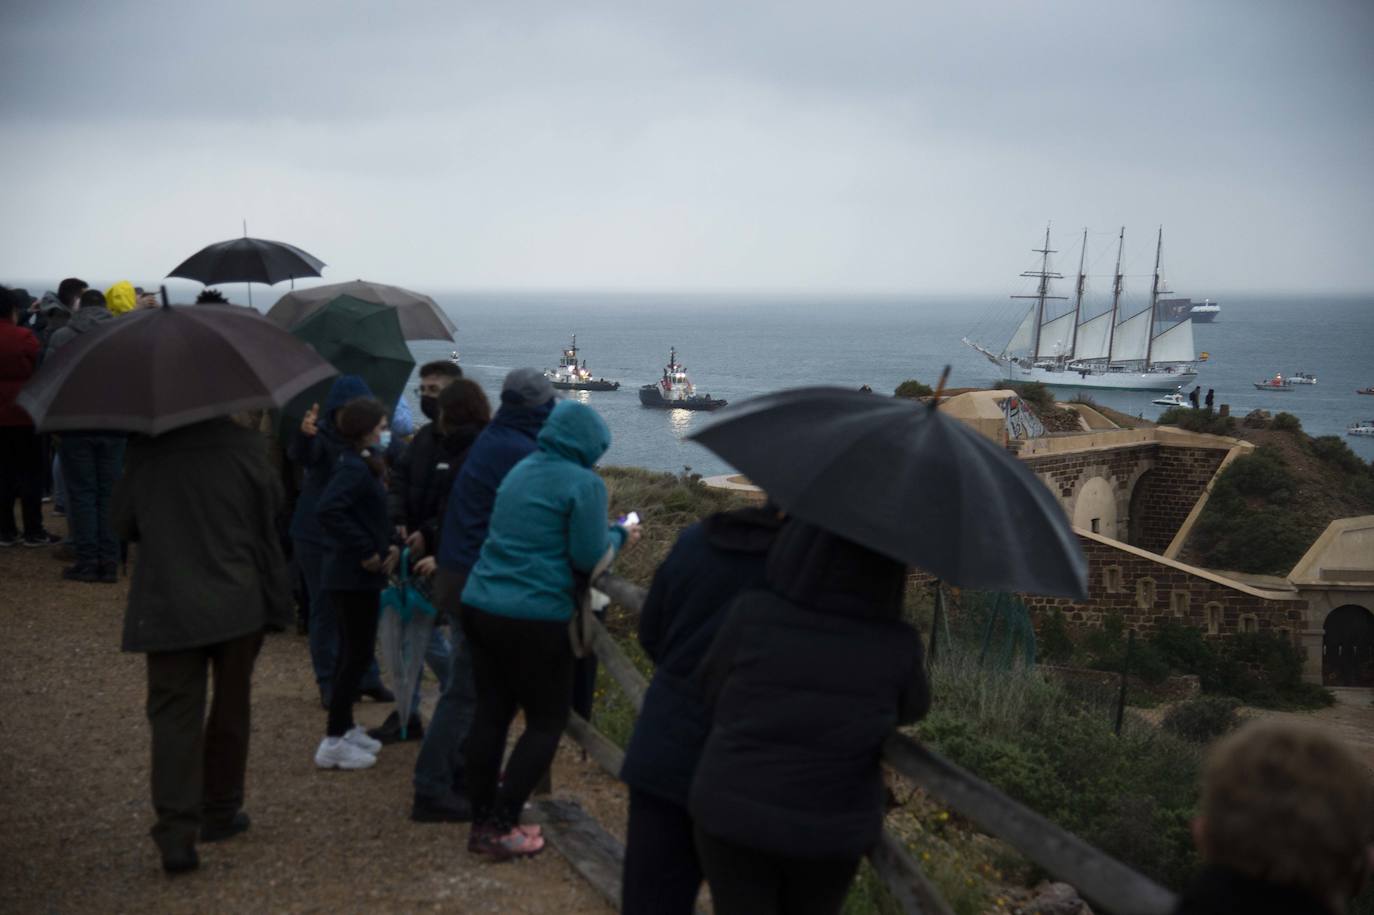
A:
<point x="662" y="872"/>
<point x="746" y="881"/>
<point x="21" y="477"/>
<point x="199" y="763"/>
<point x="523" y="665"/>
<point x="356" y="615"/>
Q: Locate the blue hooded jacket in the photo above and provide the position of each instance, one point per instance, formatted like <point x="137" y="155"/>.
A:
<point x="549" y="518"/>
<point x="317" y="456"/>
<point x="507" y="440"/>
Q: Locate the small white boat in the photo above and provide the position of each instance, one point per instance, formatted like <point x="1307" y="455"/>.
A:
<point x="1176" y="399"/>
<point x="1277" y="383"/>
<point x="453" y="357"/>
<point x="1361" y="427"/>
<point x="1302" y="378"/>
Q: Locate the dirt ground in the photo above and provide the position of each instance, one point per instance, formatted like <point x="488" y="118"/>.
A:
<point x="75" y="808"/>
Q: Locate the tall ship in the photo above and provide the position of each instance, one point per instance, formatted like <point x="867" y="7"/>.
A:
<point x="1204" y="312"/>
<point x="1114" y="349"/>
<point x="573" y="376"/>
<point x="674" y="391"/>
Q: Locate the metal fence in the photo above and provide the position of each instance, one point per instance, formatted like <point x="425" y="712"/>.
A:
<point x="1106" y="883"/>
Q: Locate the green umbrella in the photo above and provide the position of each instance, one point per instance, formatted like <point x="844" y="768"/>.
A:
<point x="357" y="338"/>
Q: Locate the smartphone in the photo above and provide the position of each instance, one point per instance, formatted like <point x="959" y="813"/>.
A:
<point x="627" y="520"/>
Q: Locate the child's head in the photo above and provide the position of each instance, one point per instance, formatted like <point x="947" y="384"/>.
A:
<point x="1285" y="803"/>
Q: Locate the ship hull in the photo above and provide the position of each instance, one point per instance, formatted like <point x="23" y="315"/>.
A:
<point x="649" y="396"/>
<point x="1117" y="381"/>
<point x="1205" y="317"/>
<point x="586" y="385"/>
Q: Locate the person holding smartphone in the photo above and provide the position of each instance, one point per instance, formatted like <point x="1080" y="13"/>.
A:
<point x="358" y="557"/>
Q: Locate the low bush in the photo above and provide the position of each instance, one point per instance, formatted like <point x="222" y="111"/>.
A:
<point x="1054" y="643"/>
<point x="1262" y="669"/>
<point x="1040" y="397"/>
<point x="1247" y="524"/>
<point x="1202" y="719"/>
<point x="1286" y="422"/>
<point x="1198" y="421"/>
<point x="1335" y="451"/>
<point x="912" y="388"/>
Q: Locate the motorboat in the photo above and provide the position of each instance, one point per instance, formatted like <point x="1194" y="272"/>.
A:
<point x="1302" y="378"/>
<point x="1176" y="399"/>
<point x="1369" y="390"/>
<point x="1361" y="427"/>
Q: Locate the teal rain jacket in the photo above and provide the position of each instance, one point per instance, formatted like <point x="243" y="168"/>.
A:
<point x="549" y="517"/>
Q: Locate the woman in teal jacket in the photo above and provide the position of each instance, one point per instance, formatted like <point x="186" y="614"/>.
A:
<point x="549" y="519"/>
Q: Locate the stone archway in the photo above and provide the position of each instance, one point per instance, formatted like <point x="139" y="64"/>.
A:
<point x="1348" y="647"/>
<point x="1137" y="512"/>
<point x="1094" y="508"/>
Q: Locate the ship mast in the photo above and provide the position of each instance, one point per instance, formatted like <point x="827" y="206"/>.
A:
<point x="1042" y="294"/>
<point x="1154" y="300"/>
<point x="1116" y="294"/>
<point x="1078" y="301"/>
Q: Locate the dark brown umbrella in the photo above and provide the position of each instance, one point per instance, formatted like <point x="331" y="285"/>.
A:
<point x="159" y="369"/>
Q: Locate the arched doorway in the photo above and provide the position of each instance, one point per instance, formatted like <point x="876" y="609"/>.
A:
<point x="1348" y="647"/>
<point x="1140" y="500"/>
<point x="1095" y="508"/>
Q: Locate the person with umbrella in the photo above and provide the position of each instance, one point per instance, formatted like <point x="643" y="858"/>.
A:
<point x="316" y="447"/>
<point x="358" y="557"/>
<point x="199" y="499"/>
<point x="804" y="681"/>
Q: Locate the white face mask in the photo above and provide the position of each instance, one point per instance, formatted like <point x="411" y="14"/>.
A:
<point x="384" y="441"/>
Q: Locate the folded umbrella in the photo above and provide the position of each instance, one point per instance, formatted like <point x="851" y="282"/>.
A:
<point x="158" y="369"/>
<point x="406" y="622"/>
<point x="904" y="480"/>
<point x="421" y="317"/>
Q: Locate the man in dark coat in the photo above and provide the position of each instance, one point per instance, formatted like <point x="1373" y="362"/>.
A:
<point x="804" y="681"/>
<point x="1195" y="396"/>
<point x="200" y="503"/>
<point x="1210" y="399"/>
<point x="711" y="563"/>
<point x="527" y="399"/>
<point x="1286" y="824"/>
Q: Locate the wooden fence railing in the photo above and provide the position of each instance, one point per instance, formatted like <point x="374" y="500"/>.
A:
<point x="1106" y="883"/>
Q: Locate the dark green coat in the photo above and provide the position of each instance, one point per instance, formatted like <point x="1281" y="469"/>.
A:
<point x="200" y="503"/>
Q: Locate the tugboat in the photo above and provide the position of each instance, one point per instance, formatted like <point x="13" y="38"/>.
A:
<point x="675" y="391"/>
<point x="1277" y="383"/>
<point x="570" y="376"/>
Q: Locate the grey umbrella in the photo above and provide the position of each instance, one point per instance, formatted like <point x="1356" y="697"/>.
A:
<point x="421" y="317"/>
<point x="903" y="479"/>
<point x="159" y="369"/>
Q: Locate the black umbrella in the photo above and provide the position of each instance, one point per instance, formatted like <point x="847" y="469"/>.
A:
<point x="155" y="370"/>
<point x="248" y="260"/>
<point x="421" y="317"/>
<point x="905" y="480"/>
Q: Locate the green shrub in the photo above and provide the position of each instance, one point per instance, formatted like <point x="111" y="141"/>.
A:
<point x="1227" y="667"/>
<point x="1202" y="719"/>
<point x="1198" y="421"/>
<point x="1286" y="422"/>
<point x="1247" y="524"/>
<point x="1040" y="397"/>
<point x="913" y="389"/>
<point x="1053" y="642"/>
<point x="1333" y="450"/>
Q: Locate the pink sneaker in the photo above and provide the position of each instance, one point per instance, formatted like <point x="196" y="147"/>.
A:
<point x="498" y="846"/>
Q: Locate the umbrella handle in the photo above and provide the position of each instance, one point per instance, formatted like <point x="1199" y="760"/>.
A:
<point x="940" y="388"/>
<point x="166" y="303"/>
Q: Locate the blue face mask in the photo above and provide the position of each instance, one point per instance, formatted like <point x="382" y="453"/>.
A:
<point x="384" y="442"/>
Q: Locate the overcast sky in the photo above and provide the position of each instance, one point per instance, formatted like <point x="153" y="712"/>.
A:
<point x="864" y="146"/>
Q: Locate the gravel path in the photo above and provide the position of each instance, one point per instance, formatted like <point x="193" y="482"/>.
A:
<point x="75" y="808"/>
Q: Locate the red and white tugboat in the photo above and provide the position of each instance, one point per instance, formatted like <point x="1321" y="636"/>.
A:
<point x="674" y="390"/>
<point x="570" y="376"/>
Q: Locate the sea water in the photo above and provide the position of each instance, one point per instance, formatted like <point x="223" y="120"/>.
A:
<point x="740" y="346"/>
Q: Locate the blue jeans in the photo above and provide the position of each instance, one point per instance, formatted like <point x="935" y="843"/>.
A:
<point x="324" y="625"/>
<point x="438" y="655"/>
<point x="91" y="463"/>
<point x="439" y="767"/>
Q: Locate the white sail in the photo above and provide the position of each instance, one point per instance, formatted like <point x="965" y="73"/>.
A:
<point x="1092" y="337"/>
<point x="1132" y="338"/>
<point x="1175" y="344"/>
<point x="1056" y="337"/>
<point x="1024" y="336"/>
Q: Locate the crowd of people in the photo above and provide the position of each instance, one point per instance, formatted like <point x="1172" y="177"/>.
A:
<point x="782" y="660"/>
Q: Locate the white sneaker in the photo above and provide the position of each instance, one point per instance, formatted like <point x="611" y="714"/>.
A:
<point x="338" y="753"/>
<point x="358" y="737"/>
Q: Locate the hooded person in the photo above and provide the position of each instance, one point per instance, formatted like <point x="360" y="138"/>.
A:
<point x="804" y="681"/>
<point x="316" y="447"/>
<point x="712" y="562"/>
<point x="121" y="298"/>
<point x="91" y="311"/>
<point x="549" y="521"/>
<point x="510" y="436"/>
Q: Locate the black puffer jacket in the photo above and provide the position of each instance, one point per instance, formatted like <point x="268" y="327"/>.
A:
<point x="709" y="566"/>
<point x="1218" y="891"/>
<point x="805" y="680"/>
<point x="423" y="476"/>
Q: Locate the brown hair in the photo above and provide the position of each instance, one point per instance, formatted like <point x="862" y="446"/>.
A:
<point x="355" y="422"/>
<point x="1287" y="804"/>
<point x="443" y="367"/>
<point x="462" y="403"/>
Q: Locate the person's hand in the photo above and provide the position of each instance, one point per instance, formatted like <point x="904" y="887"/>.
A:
<point x="393" y="559"/>
<point x="632" y="535"/>
<point x="308" y="425"/>
<point x="402" y="532"/>
<point x="416" y="542"/>
<point x="425" y="567"/>
<point x="372" y="563"/>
